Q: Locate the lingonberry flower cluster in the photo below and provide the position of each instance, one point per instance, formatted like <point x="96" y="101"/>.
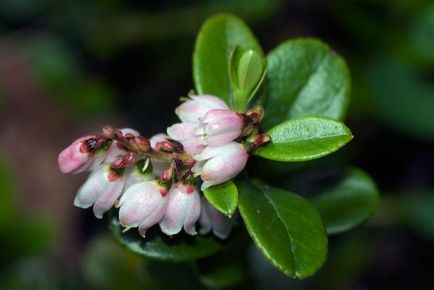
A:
<point x="153" y="181"/>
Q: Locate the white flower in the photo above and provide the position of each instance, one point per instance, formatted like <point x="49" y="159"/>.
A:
<point x="102" y="189"/>
<point x="212" y="219"/>
<point x="142" y="205"/>
<point x="183" y="210"/>
<point x="218" y="164"/>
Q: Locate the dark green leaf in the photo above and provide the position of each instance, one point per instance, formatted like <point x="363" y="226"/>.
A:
<point x="348" y="203"/>
<point x="305" y="138"/>
<point x="215" y="41"/>
<point x="285" y="227"/>
<point x="305" y="77"/>
<point x="181" y="247"/>
<point x="223" y="197"/>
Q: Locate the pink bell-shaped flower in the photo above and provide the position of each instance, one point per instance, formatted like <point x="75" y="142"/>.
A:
<point x="143" y="205"/>
<point x="102" y="189"/>
<point x="219" y="127"/>
<point x="195" y="108"/>
<point x="212" y="219"/>
<point x="183" y="210"/>
<point x="218" y="164"/>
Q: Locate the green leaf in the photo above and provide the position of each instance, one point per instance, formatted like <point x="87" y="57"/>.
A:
<point x="223" y="197"/>
<point x="349" y="203"/>
<point x="285" y="227"/>
<point x="305" y="138"/>
<point x="215" y="41"/>
<point x="179" y="248"/>
<point x="247" y="71"/>
<point x="305" y="77"/>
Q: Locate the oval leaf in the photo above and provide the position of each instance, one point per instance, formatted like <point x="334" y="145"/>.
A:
<point x="305" y="138"/>
<point x="285" y="227"/>
<point x="156" y="245"/>
<point x="215" y="41"/>
<point x="349" y="203"/>
<point x="305" y="77"/>
<point x="223" y="197"/>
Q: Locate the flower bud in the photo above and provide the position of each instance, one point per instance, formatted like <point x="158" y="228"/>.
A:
<point x="218" y="164"/>
<point x="78" y="156"/>
<point x="142" y="205"/>
<point x="212" y="219"/>
<point x="219" y="127"/>
<point x="183" y="210"/>
<point x="116" y="150"/>
<point x="183" y="132"/>
<point x="102" y="189"/>
<point x="197" y="106"/>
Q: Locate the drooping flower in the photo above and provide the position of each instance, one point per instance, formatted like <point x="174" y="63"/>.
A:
<point x="183" y="210"/>
<point x="219" y="127"/>
<point x="217" y="164"/>
<point x="195" y="108"/>
<point x="212" y="219"/>
<point x="143" y="205"/>
<point x="102" y="189"/>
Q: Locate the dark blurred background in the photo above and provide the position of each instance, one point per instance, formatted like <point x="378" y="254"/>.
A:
<point x="69" y="67"/>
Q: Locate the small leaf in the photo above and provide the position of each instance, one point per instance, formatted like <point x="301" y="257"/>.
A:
<point x="156" y="245"/>
<point x="247" y="71"/>
<point x="285" y="227"/>
<point x="215" y="41"/>
<point x="305" y="77"/>
<point x="305" y="138"/>
<point x="348" y="203"/>
<point x="223" y="197"/>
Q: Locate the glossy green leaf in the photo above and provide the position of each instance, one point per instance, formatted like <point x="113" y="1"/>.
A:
<point x="305" y="77"/>
<point x="223" y="197"/>
<point x="285" y="227"/>
<point x="349" y="203"/>
<point x="215" y="41"/>
<point x="246" y="72"/>
<point x="181" y="247"/>
<point x="305" y="138"/>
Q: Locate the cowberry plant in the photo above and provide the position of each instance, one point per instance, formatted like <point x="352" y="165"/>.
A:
<point x="185" y="194"/>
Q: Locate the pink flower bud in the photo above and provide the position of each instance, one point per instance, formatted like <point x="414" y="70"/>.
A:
<point x="183" y="132"/>
<point x="102" y="189"/>
<point x="218" y="164"/>
<point x="183" y="210"/>
<point x="142" y="205"/>
<point x="219" y="127"/>
<point x="197" y="106"/>
<point x="76" y="158"/>
<point x="212" y="219"/>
